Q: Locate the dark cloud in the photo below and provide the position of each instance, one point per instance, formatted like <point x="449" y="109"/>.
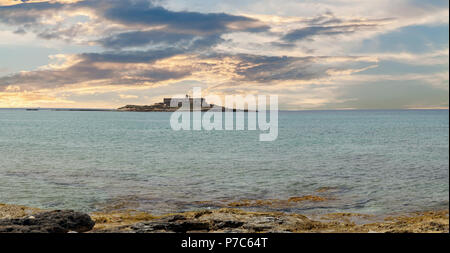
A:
<point x="43" y="79"/>
<point x="20" y="31"/>
<point x="142" y="38"/>
<point x="283" y="44"/>
<point x="88" y="70"/>
<point x="62" y="33"/>
<point x="311" y="31"/>
<point x="329" y="25"/>
<point x="168" y="34"/>
<point x="28" y="13"/>
<point x="142" y="23"/>
<point x="145" y="13"/>
<point x="188" y="30"/>
<point x="205" y="42"/>
<point x="249" y="68"/>
<point x="131" y="56"/>
<point x="153" y="75"/>
<point x="325" y="19"/>
<point x="272" y="68"/>
<point x="182" y="41"/>
<point x="120" y="70"/>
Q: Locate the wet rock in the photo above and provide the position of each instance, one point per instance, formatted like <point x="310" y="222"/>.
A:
<point x="218" y="224"/>
<point x="174" y="218"/>
<point x="49" y="222"/>
<point x="240" y="221"/>
<point x="254" y="228"/>
<point x="149" y="227"/>
<point x="225" y="220"/>
<point x="171" y="224"/>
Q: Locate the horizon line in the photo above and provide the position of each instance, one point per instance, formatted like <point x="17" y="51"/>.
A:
<point x="335" y="109"/>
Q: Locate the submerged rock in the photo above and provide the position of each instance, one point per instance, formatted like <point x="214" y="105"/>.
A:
<point x="49" y="222"/>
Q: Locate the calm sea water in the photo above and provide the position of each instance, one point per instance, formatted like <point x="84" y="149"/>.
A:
<point x="374" y="162"/>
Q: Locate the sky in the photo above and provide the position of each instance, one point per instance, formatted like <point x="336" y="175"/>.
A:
<point x="323" y="54"/>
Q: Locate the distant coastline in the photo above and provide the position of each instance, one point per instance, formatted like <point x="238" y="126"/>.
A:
<point x="303" y="110"/>
<point x="174" y="104"/>
<point x="153" y="108"/>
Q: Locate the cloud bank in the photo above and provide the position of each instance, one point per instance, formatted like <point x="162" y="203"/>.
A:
<point x="317" y="55"/>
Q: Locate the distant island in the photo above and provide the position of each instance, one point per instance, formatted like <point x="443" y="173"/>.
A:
<point x="165" y="106"/>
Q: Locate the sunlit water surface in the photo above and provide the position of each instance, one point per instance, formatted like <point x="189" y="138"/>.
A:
<point x="374" y="162"/>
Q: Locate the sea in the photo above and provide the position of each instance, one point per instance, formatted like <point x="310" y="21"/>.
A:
<point x="361" y="161"/>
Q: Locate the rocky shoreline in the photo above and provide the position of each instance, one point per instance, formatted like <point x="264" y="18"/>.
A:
<point x="21" y="219"/>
